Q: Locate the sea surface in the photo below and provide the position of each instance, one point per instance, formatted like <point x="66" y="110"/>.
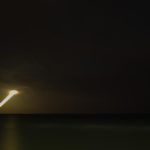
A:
<point x="75" y="132"/>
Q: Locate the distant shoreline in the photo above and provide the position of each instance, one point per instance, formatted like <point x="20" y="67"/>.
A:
<point x="139" y="118"/>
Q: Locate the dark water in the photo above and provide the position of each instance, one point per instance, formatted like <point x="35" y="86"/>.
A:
<point x="73" y="133"/>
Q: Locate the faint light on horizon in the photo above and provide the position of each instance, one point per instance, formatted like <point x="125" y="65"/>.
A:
<point x="11" y="94"/>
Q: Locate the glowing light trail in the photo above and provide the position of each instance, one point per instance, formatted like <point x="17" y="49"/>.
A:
<point x="10" y="95"/>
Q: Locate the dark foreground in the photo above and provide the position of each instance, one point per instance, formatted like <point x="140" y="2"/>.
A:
<point x="75" y="132"/>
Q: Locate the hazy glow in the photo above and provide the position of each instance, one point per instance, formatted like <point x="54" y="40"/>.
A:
<point x="10" y="95"/>
<point x="13" y="92"/>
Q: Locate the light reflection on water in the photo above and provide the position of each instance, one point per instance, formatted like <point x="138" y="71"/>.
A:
<point x="38" y="134"/>
<point x="9" y="135"/>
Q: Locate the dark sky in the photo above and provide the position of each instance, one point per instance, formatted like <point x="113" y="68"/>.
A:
<point x="75" y="56"/>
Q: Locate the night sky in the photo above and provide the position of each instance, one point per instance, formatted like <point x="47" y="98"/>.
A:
<point x="75" y="56"/>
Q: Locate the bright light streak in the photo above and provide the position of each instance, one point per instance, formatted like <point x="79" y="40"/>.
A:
<point x="10" y="95"/>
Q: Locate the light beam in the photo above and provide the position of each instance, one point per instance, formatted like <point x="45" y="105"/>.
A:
<point x="11" y="94"/>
